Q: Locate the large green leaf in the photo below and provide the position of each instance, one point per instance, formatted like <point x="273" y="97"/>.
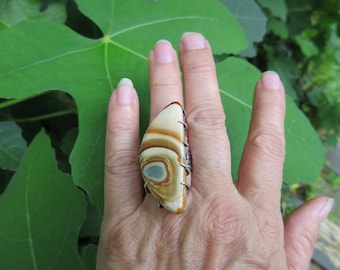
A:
<point x="12" y="145"/>
<point x="37" y="56"/>
<point x="251" y="18"/>
<point x="302" y="141"/>
<point x="41" y="212"/>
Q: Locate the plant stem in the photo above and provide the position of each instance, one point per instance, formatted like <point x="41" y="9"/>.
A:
<point x="14" y="101"/>
<point x="44" y="117"/>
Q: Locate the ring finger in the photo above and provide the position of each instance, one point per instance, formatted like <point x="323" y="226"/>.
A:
<point x="165" y="86"/>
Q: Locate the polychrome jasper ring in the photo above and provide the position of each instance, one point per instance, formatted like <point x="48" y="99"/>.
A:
<point x="164" y="159"/>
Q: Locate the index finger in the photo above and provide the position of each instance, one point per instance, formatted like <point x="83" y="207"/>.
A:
<point x="123" y="190"/>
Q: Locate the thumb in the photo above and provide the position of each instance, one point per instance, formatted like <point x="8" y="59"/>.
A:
<point x="301" y="230"/>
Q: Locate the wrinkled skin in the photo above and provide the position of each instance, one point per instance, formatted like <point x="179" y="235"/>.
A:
<point x="225" y="225"/>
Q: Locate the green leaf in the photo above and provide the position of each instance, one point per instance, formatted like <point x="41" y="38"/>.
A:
<point x="335" y="181"/>
<point x="307" y="46"/>
<point x="164" y="18"/>
<point x="5" y="178"/>
<point x="304" y="151"/>
<point x="277" y="27"/>
<point x="12" y="145"/>
<point x="251" y="18"/>
<point x="68" y="141"/>
<point x="14" y="11"/>
<point x="92" y="223"/>
<point x="277" y="8"/>
<point x="237" y="95"/>
<point x="88" y="257"/>
<point x="41" y="212"/>
<point x="40" y="56"/>
<point x="3" y="25"/>
<point x="299" y="16"/>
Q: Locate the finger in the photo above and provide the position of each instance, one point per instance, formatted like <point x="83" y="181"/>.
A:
<point x="165" y="82"/>
<point x="260" y="173"/>
<point x="301" y="230"/>
<point x="123" y="191"/>
<point x="205" y="116"/>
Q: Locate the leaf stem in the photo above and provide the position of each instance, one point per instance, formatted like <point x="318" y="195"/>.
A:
<point x="14" y="101"/>
<point x="107" y="69"/>
<point x="45" y="116"/>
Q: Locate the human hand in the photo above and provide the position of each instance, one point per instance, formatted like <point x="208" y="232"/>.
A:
<point x="224" y="225"/>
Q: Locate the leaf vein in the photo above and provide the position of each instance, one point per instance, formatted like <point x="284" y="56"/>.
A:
<point x="95" y="143"/>
<point x="28" y="218"/>
<point x="236" y="99"/>
<point x="43" y="61"/>
<point x="129" y="50"/>
<point x="161" y="21"/>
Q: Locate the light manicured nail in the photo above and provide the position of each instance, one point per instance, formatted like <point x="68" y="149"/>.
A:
<point x="326" y="209"/>
<point x="125" y="91"/>
<point x="125" y="81"/>
<point x="163" y="52"/>
<point x="271" y="80"/>
<point x="193" y="41"/>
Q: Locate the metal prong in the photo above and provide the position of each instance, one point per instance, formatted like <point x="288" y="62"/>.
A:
<point x="187" y="168"/>
<point x="184" y="124"/>
<point x="188" y="158"/>
<point x="146" y="187"/>
<point x="187" y="187"/>
<point x="185" y="142"/>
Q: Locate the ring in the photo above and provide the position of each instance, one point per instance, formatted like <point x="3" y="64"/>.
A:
<point x="165" y="160"/>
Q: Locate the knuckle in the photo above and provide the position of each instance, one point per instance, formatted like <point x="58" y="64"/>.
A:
<point x="121" y="126"/>
<point x="165" y="84"/>
<point x="206" y="116"/>
<point x="269" y="228"/>
<point x="117" y="161"/>
<point x="120" y="243"/>
<point x="269" y="144"/>
<point x="205" y="69"/>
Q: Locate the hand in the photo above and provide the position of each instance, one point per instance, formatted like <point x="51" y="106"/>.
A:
<point x="225" y="225"/>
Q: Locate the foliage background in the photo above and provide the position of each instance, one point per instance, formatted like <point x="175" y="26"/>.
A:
<point x="60" y="60"/>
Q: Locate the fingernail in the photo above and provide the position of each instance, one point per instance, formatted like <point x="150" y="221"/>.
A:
<point x="163" y="52"/>
<point x="193" y="41"/>
<point x="271" y="80"/>
<point x="124" y="91"/>
<point x="326" y="209"/>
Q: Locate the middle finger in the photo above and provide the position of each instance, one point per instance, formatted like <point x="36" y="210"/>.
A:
<point x="205" y="117"/>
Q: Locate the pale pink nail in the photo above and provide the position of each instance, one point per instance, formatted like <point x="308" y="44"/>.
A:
<point x="193" y="41"/>
<point x="271" y="80"/>
<point x="125" y="91"/>
<point x="327" y="208"/>
<point x="163" y="52"/>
